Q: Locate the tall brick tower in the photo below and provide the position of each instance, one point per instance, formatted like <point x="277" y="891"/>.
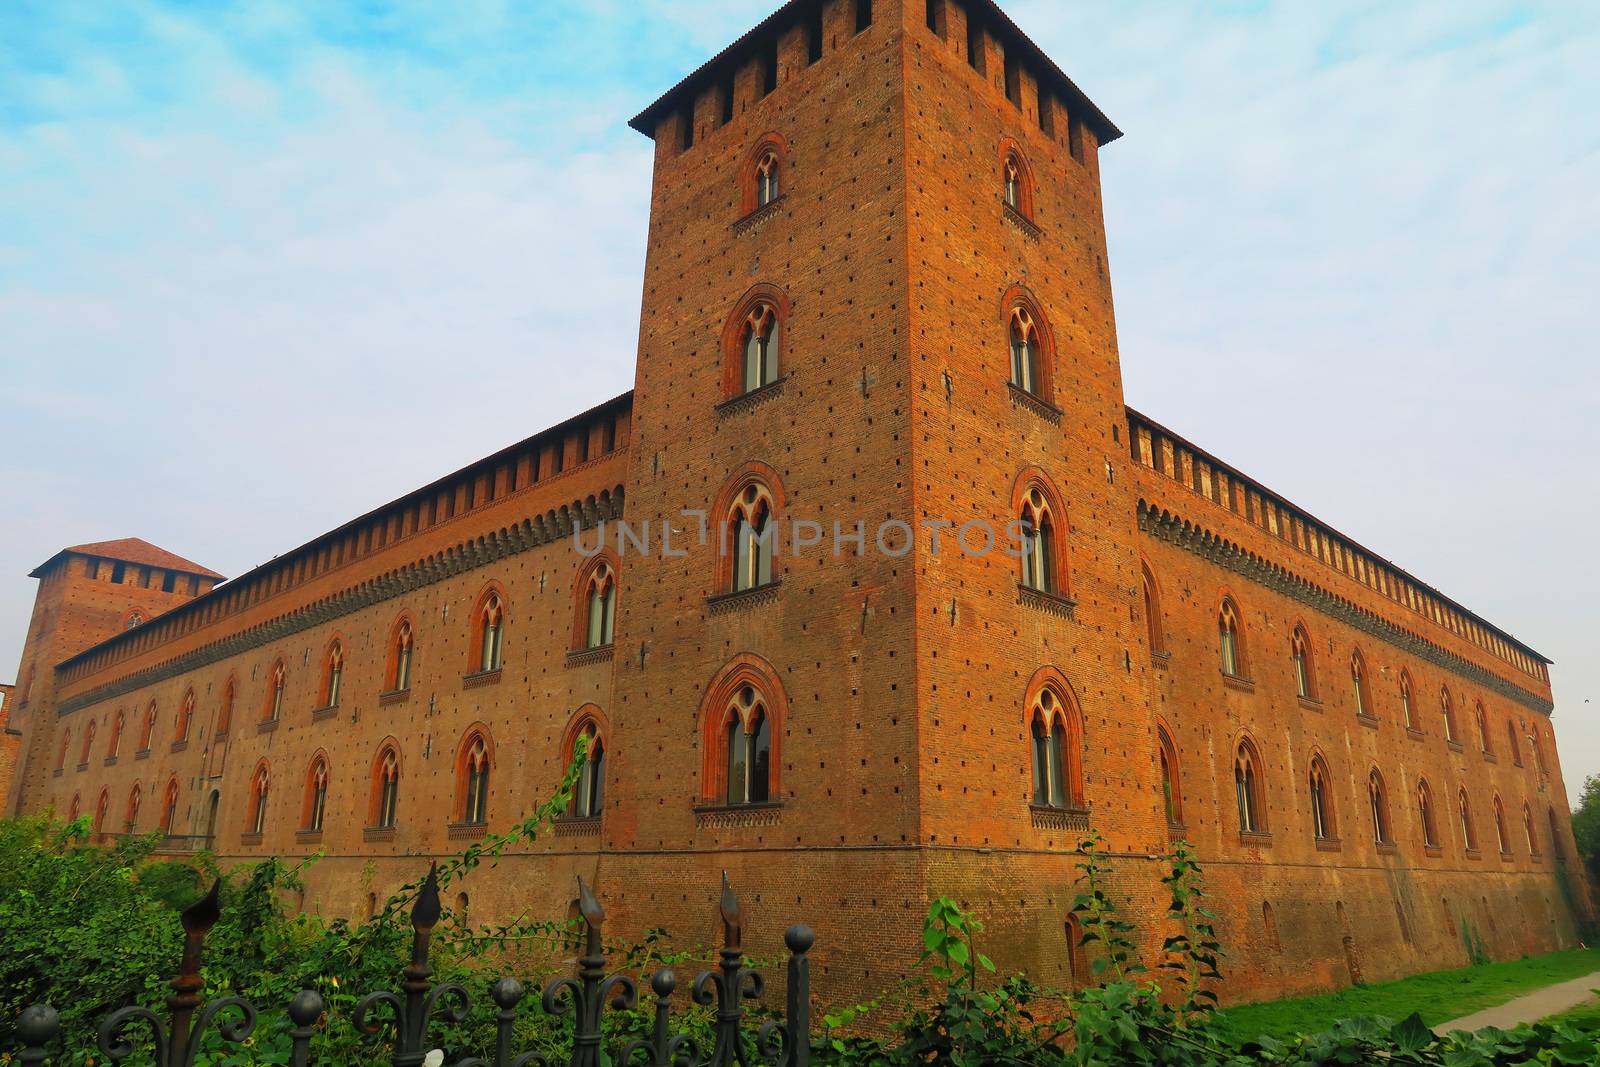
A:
<point x="876" y="302"/>
<point x="86" y="594"/>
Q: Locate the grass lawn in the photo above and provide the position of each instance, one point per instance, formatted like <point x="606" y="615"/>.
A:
<point x="1440" y="996"/>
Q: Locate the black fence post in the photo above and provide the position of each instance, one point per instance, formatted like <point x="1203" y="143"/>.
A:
<point x="38" y="1025"/>
<point x="176" y="1040"/>
<point x="304" y="1011"/>
<point x="662" y="1049"/>
<point x="587" y="995"/>
<point x="413" y="1013"/>
<point x="729" y="989"/>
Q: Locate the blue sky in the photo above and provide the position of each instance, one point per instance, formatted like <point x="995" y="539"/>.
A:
<point x="266" y="265"/>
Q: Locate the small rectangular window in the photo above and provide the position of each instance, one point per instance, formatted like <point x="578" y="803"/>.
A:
<point x="935" y="17"/>
<point x="814" y="35"/>
<point x="686" y="127"/>
<point x="1075" y="138"/>
<point x="1047" y="121"/>
<point x="1013" y="80"/>
<point x="769" y="66"/>
<point x="118" y="572"/>
<point x="727" y="99"/>
<point x="975" y="45"/>
<point x="91" y="568"/>
<point x="863" y="14"/>
<point x="169" y="582"/>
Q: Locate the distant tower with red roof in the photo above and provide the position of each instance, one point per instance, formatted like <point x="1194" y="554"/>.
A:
<point x="86" y="594"/>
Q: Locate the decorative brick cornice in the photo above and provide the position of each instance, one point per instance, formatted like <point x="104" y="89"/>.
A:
<point x="478" y="678"/>
<point x="1075" y="820"/>
<point x="327" y="711"/>
<point x="492" y="547"/>
<point x="1030" y="229"/>
<point x="576" y="826"/>
<point x="744" y="599"/>
<point x="377" y="834"/>
<point x="737" y="816"/>
<point x="1050" y="603"/>
<point x="749" y="401"/>
<point x="467" y="831"/>
<point x="580" y="657"/>
<point x="754" y="221"/>
<point x="1217" y="550"/>
<point x="393" y="696"/>
<point x="1021" y="398"/>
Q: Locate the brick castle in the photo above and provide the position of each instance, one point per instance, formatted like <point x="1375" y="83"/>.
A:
<point x="875" y="292"/>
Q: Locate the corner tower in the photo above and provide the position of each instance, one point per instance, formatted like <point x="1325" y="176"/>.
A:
<point x="87" y="593"/>
<point x="849" y="205"/>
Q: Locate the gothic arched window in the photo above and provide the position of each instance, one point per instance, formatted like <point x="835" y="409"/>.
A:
<point x="472" y="774"/>
<point x="1358" y="684"/>
<point x="1430" y="832"/>
<point x="259" y="786"/>
<point x="385" y="788"/>
<point x="588" y="799"/>
<point x="747" y="730"/>
<point x="754" y="537"/>
<point x="1322" y="825"/>
<point x="333" y="675"/>
<point x="400" y="651"/>
<point x="1024" y="351"/>
<point x="1305" y="682"/>
<point x="1171" y="779"/>
<point x="600" y="606"/>
<point x="1406" y="706"/>
<point x="1039" y="555"/>
<point x="1247" y="789"/>
<point x="1230" y="639"/>
<point x="316" y="803"/>
<point x="766" y="177"/>
<point x="491" y="633"/>
<point x="1449" y="712"/>
<point x="1378" y="802"/>
<point x="761" y="343"/>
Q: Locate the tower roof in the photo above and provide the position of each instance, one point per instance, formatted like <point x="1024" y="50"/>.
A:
<point x="996" y="21"/>
<point x="129" y="550"/>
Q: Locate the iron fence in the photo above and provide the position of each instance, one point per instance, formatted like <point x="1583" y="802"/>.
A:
<point x="406" y="1016"/>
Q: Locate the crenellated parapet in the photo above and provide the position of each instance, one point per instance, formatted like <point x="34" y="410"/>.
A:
<point x="1161" y="452"/>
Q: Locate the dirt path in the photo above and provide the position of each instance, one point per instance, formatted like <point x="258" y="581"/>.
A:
<point x="1529" y="1008"/>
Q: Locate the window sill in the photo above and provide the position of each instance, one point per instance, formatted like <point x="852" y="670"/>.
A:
<point x="1046" y="817"/>
<point x="467" y="831"/>
<point x="1473" y="854"/>
<point x="220" y="735"/>
<point x="731" y="816"/>
<point x="1369" y="721"/>
<point x="373" y="834"/>
<point x="179" y="746"/>
<point x="1309" y="703"/>
<point x="1234" y="681"/>
<point x="1388" y="848"/>
<point x="1537" y="857"/>
<point x="1432" y="851"/>
<point x="393" y="696"/>
<point x="477" y="678"/>
<point x="1160" y="660"/>
<point x="250" y="839"/>
<point x="1030" y="229"/>
<point x="1506" y="857"/>
<point x="1255" y="839"/>
<point x="577" y="825"/>
<point x="326" y="712"/>
<point x="308" y="837"/>
<point x="744" y="599"/>
<point x="83" y="766"/>
<point x="748" y="401"/>
<point x="56" y="773"/>
<point x="1454" y="746"/>
<point x="111" y="761"/>
<point x="1490" y="757"/>
<point x="1330" y="844"/>
<point x="1414" y="733"/>
<point x="754" y="219"/>
<point x="581" y="657"/>
<point x="1050" y="603"/>
<point x="143" y="753"/>
<point x="1021" y="398"/>
<point x="1176" y="830"/>
<point x="267" y="726"/>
